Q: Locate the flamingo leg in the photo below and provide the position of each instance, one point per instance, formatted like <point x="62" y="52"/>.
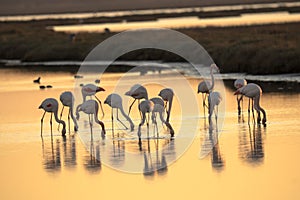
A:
<point x="100" y="105"/>
<point x="154" y="115"/>
<point x="203" y="103"/>
<point x="62" y="110"/>
<point x="147" y="122"/>
<point x="140" y="125"/>
<point x="241" y="99"/>
<point x="91" y="126"/>
<point x="258" y="117"/>
<point x="51" y="122"/>
<point x="112" y="122"/>
<point x="156" y="126"/>
<point x="69" y="121"/>
<point x="217" y="118"/>
<point x="252" y="108"/>
<point x="42" y="120"/>
<point x="131" y="106"/>
<point x="249" y="111"/>
<point x="238" y="103"/>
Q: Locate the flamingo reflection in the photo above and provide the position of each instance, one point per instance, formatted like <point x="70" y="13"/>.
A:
<point x="69" y="150"/>
<point x="210" y="146"/>
<point x="117" y="157"/>
<point x="92" y="161"/>
<point x="51" y="156"/>
<point x="251" y="144"/>
<point x="155" y="162"/>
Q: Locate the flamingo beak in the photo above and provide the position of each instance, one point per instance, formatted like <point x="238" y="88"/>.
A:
<point x="237" y="92"/>
<point x="99" y="89"/>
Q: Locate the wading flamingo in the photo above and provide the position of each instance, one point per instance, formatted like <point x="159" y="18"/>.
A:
<point x="159" y="108"/>
<point x="254" y="92"/>
<point x="205" y="87"/>
<point x="145" y="107"/>
<point x="51" y="105"/>
<point x="137" y="92"/>
<point x="238" y="83"/>
<point x="214" y="101"/>
<point x="167" y="95"/>
<point x="91" y="90"/>
<point x="67" y="99"/>
<point x="91" y="107"/>
<point x="115" y="101"/>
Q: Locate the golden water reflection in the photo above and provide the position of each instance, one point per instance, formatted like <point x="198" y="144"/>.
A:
<point x="242" y="156"/>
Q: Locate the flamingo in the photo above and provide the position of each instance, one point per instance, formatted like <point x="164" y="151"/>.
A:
<point x="115" y="101"/>
<point x="254" y="92"/>
<point x="205" y="87"/>
<point x="145" y="106"/>
<point x="214" y="101"/>
<point x="51" y="105"/>
<point x="167" y="95"/>
<point x="159" y="108"/>
<point x="67" y="99"/>
<point x="91" y="90"/>
<point x="137" y="91"/>
<point x="238" y="83"/>
<point x="91" y="107"/>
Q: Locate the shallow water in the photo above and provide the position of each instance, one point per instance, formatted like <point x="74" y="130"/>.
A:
<point x="247" y="162"/>
<point x="185" y="22"/>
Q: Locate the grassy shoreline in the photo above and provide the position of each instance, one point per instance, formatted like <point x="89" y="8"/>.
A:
<point x="260" y="49"/>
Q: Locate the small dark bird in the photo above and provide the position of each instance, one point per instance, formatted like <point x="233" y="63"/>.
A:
<point x="78" y="76"/>
<point x="97" y="81"/>
<point x="37" y="80"/>
<point x="49" y="86"/>
<point x="42" y="87"/>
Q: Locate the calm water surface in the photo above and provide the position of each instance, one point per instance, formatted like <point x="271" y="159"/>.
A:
<point x="248" y="161"/>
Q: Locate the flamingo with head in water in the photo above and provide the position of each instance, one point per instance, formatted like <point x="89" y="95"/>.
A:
<point x="91" y="108"/>
<point x="238" y="83"/>
<point x="214" y="101"/>
<point x="254" y="92"/>
<point x="115" y="101"/>
<point x="67" y="99"/>
<point x="167" y="95"/>
<point x="158" y="107"/>
<point x="51" y="105"/>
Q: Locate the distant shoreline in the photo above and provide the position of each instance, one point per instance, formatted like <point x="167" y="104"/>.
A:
<point x="20" y="7"/>
<point x="259" y="49"/>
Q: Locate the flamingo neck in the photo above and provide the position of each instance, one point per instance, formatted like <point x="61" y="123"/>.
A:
<point x="212" y="80"/>
<point x="161" y="117"/>
<point x="126" y="116"/>
<point x="59" y="120"/>
<point x="72" y="115"/>
<point x="96" y="117"/>
<point x="169" y="109"/>
<point x="77" y="111"/>
<point x="257" y="105"/>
